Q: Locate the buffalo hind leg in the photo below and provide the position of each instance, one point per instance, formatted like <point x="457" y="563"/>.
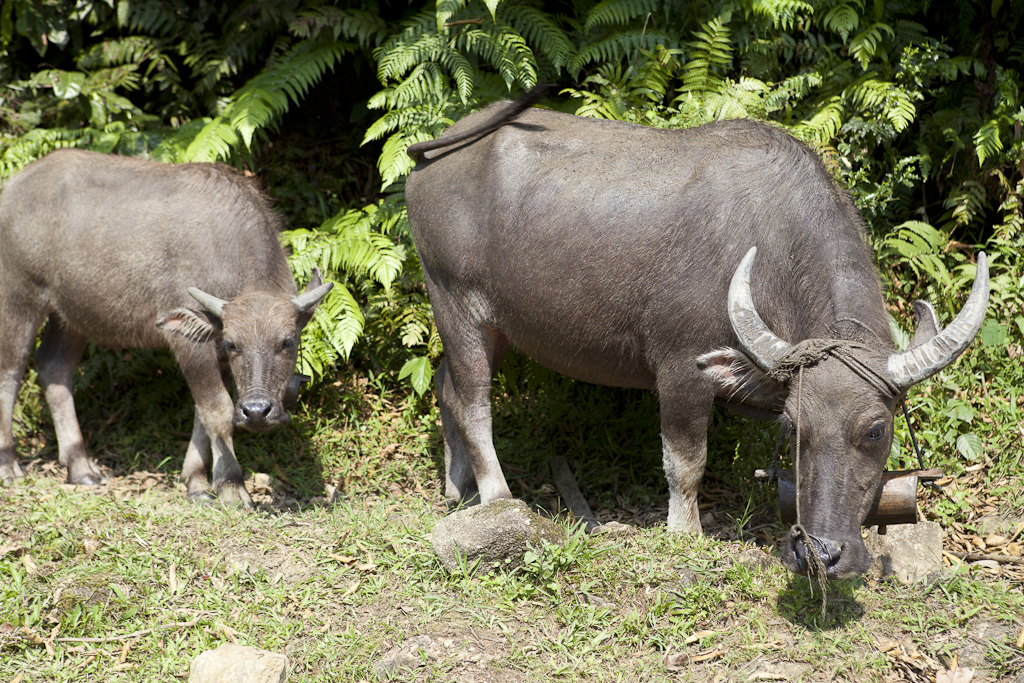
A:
<point x="684" y="436"/>
<point x="210" y="452"/>
<point x="464" y="395"/>
<point x="17" y="331"/>
<point x="56" y="359"/>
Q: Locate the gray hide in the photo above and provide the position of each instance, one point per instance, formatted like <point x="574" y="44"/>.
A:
<point x="605" y="251"/>
<point x="120" y="250"/>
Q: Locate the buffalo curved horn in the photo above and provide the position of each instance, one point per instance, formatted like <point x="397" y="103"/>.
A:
<point x="759" y="342"/>
<point x="308" y="300"/>
<point x="209" y="302"/>
<point x="921" y="362"/>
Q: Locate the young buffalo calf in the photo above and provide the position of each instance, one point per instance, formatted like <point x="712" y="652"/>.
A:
<point x="119" y="250"/>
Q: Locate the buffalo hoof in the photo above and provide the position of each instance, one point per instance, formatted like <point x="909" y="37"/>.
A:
<point x="86" y="473"/>
<point x="10" y="472"/>
<point x="234" y="495"/>
<point x="201" y="497"/>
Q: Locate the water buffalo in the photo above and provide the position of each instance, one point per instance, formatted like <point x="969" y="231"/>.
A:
<point x="115" y="249"/>
<point x="716" y="264"/>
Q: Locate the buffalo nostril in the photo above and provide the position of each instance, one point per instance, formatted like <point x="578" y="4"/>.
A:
<point x="800" y="552"/>
<point x="828" y="552"/>
<point x="257" y="410"/>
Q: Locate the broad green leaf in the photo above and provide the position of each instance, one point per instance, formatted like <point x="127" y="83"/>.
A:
<point x="970" y="446"/>
<point x="993" y="334"/>
<point x="419" y="371"/>
<point x="68" y="84"/>
<point x="960" y="411"/>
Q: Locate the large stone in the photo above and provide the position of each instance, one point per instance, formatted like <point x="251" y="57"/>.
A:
<point x="982" y="636"/>
<point x="498" y="534"/>
<point x="910" y="552"/>
<point x="231" y="663"/>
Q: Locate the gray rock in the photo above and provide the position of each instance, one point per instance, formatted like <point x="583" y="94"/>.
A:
<point x="910" y="552"/>
<point x="231" y="663"/>
<point x="498" y="534"/>
<point x="979" y="639"/>
<point x="407" y="657"/>
<point x="1002" y="523"/>
<point x="755" y="559"/>
<point x="613" y="529"/>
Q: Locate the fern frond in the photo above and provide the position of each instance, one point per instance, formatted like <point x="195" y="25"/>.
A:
<point x="446" y="9"/>
<point x="215" y="141"/>
<point x="612" y="12"/>
<point x="361" y="26"/>
<point x="919" y="246"/>
<point x="987" y="141"/>
<point x="267" y="95"/>
<point x="868" y="43"/>
<point x="709" y="53"/>
<point x="541" y="32"/>
<point x="781" y="12"/>
<point x="824" y="125"/>
<point x="117" y="52"/>
<point x="419" y="42"/>
<point x="619" y="47"/>
<point x="842" y="19"/>
<point x="968" y="203"/>
<point x="18" y="153"/>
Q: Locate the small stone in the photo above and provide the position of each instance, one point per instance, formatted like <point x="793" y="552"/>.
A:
<point x="990" y="566"/>
<point x="613" y="529"/>
<point x="497" y="534"/>
<point x="756" y="559"/>
<point x="233" y="663"/>
<point x="1000" y="523"/>
<point x="390" y="667"/>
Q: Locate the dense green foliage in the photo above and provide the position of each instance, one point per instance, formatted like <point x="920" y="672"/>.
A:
<point x="915" y="107"/>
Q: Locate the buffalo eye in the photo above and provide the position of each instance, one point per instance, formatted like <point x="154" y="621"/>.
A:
<point x="229" y="346"/>
<point x="288" y="343"/>
<point x="876" y="432"/>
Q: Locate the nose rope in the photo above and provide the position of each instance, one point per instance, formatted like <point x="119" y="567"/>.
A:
<point x="815" y="567"/>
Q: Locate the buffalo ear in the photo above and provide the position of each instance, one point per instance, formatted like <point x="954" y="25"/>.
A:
<point x="198" y="326"/>
<point x="738" y="379"/>
<point x="927" y="323"/>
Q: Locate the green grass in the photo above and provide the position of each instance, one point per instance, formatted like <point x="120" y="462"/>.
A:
<point x="338" y="588"/>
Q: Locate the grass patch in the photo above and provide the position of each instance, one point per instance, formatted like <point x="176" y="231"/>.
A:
<point x="344" y="589"/>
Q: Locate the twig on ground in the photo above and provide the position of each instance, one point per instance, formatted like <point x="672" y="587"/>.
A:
<point x="975" y="557"/>
<point x="565" y="482"/>
<point x="136" y="634"/>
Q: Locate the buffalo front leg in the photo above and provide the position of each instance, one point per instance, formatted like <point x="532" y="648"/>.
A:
<point x="56" y="359"/>
<point x="684" y="436"/>
<point x="464" y="397"/>
<point x="198" y="463"/>
<point x="211" y="453"/>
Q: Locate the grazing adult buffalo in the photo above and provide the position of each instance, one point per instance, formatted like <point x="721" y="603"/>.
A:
<point x="115" y="249"/>
<point x="716" y="264"/>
